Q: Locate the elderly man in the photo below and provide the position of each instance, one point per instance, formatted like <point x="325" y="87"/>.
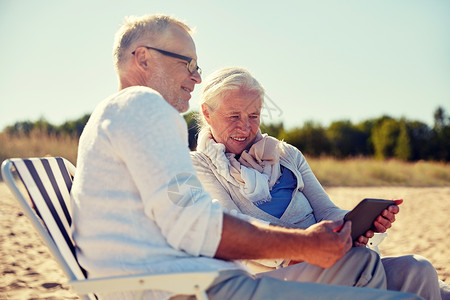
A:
<point x="129" y="214"/>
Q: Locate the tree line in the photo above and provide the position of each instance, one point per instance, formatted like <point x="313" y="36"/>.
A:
<point x="382" y="138"/>
<point x="72" y="128"/>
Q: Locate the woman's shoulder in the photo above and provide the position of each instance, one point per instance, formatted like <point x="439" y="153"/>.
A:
<point x="198" y="157"/>
<point x="289" y="151"/>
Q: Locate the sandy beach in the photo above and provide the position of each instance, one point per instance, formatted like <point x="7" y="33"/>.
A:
<point x="29" y="272"/>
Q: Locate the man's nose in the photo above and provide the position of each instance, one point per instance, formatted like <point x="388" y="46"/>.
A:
<point x="196" y="77"/>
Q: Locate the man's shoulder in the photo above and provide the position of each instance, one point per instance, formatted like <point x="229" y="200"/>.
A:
<point x="138" y="93"/>
<point x="140" y="98"/>
<point x="137" y="106"/>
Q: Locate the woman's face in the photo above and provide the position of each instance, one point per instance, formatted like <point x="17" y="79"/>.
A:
<point x="236" y="121"/>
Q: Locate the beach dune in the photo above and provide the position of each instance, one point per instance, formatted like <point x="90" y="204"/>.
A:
<point x="29" y="272"/>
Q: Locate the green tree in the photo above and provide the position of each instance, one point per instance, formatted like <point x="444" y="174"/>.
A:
<point x="273" y="129"/>
<point x="75" y="127"/>
<point x="384" y="138"/>
<point x="439" y="118"/>
<point x="26" y="127"/>
<point x="192" y="125"/>
<point x="345" y="139"/>
<point x="310" y="139"/>
<point x="22" y="127"/>
<point x="365" y="128"/>
<point x="43" y="125"/>
<point x="421" y="140"/>
<point x="441" y="141"/>
<point x="403" y="145"/>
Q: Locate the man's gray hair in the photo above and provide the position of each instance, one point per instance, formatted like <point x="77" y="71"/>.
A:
<point x="219" y="83"/>
<point x="145" y="29"/>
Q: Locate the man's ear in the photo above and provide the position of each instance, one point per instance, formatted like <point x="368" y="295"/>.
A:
<point x="142" y="58"/>
<point x="206" y="113"/>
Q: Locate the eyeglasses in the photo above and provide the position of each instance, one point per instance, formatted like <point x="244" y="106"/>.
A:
<point x="191" y="62"/>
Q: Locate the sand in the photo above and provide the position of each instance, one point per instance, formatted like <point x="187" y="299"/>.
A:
<point x="29" y="272"/>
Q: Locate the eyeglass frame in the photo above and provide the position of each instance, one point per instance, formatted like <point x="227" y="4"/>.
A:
<point x="189" y="60"/>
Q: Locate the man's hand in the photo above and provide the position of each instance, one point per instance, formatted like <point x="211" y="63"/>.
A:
<point x="319" y="244"/>
<point x="382" y="223"/>
<point x="325" y="246"/>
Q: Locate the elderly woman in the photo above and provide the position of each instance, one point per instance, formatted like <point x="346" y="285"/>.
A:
<point x="257" y="175"/>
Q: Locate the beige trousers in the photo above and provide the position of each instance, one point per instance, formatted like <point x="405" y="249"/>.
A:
<point x="414" y="274"/>
<point x="237" y="285"/>
<point x="411" y="273"/>
<point x="360" y="267"/>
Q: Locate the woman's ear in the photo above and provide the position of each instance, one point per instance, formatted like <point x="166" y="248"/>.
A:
<point x="206" y="113"/>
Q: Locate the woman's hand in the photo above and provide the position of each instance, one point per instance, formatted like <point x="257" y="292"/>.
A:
<point x="363" y="239"/>
<point x="384" y="221"/>
<point x="381" y="224"/>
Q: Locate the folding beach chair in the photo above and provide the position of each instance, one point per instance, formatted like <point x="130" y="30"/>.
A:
<point x="48" y="181"/>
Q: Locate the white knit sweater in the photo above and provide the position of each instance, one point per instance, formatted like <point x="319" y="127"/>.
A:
<point x="130" y="215"/>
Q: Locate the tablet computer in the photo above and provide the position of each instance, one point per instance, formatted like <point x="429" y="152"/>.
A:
<point x="363" y="215"/>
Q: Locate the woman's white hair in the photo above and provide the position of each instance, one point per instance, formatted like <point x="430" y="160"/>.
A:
<point x="135" y="30"/>
<point x="222" y="81"/>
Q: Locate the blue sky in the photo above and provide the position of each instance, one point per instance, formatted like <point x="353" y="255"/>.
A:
<point x="322" y="60"/>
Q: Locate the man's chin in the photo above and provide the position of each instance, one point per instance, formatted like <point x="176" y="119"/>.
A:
<point x="180" y="105"/>
<point x="182" y="108"/>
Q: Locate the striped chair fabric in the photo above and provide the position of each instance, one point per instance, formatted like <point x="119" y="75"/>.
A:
<point x="48" y="181"/>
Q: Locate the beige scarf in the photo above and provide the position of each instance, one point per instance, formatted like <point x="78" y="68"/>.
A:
<point x="256" y="170"/>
